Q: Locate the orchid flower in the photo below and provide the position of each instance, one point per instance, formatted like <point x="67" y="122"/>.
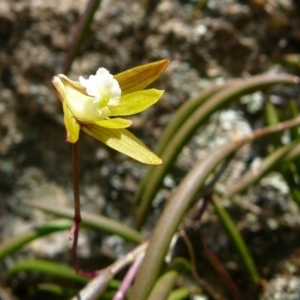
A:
<point x="97" y="104"/>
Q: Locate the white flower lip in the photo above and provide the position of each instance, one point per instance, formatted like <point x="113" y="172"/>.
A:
<point x="102" y="92"/>
<point x="103" y="87"/>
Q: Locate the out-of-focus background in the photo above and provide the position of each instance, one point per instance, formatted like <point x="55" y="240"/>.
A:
<point x="222" y="40"/>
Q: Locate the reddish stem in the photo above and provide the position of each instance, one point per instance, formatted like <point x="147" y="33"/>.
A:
<point x="77" y="217"/>
<point x="223" y="273"/>
<point x="74" y="232"/>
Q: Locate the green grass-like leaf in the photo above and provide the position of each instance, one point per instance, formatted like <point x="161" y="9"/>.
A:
<point x="238" y="242"/>
<point x="17" y="242"/>
<point x="154" y="177"/>
<point x="91" y="221"/>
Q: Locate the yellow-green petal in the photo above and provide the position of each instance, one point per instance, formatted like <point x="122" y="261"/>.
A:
<point x="72" y="85"/>
<point x="135" y="102"/>
<point x="59" y="87"/>
<point x="114" y="123"/>
<point x="72" y="126"/>
<point x="123" y="141"/>
<point x="140" y="77"/>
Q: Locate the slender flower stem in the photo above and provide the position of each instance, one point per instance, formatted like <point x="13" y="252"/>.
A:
<point x="77" y="217"/>
<point x="74" y="232"/>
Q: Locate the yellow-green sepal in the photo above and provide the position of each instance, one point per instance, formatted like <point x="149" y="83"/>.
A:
<point x="123" y="141"/>
<point x="138" y="78"/>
